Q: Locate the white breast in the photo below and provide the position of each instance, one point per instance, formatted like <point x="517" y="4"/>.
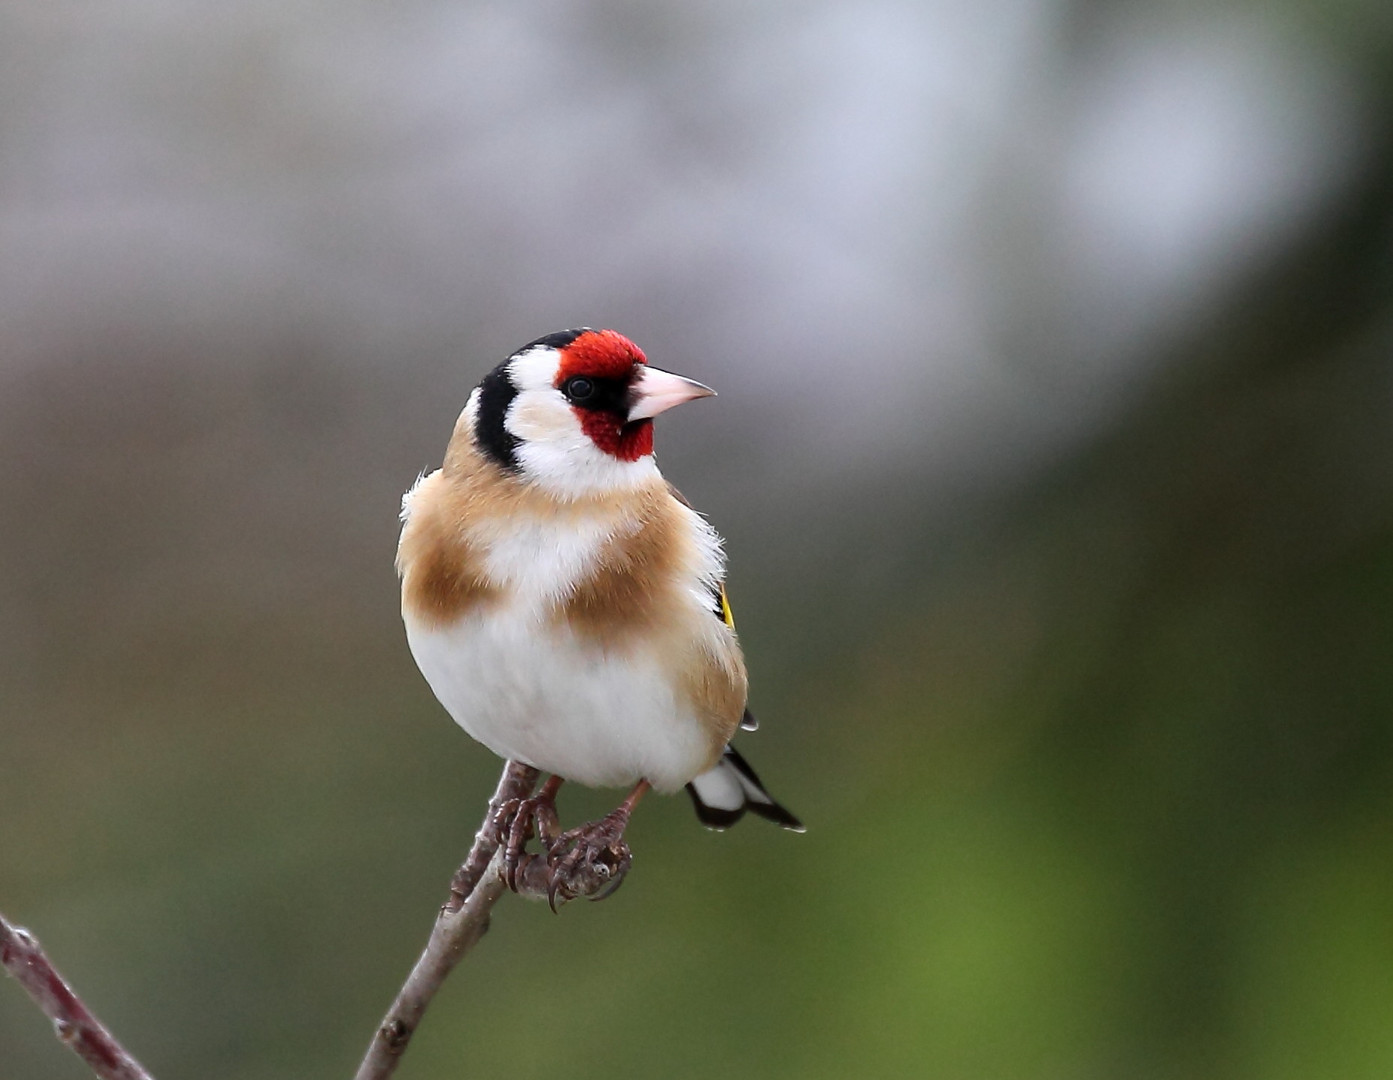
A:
<point x="536" y="561"/>
<point x="534" y="693"/>
<point x="519" y="682"/>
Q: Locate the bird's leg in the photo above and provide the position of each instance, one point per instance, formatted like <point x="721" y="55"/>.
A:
<point x="595" y="850"/>
<point x="538" y="811"/>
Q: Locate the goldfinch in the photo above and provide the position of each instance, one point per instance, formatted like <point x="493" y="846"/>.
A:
<point x="565" y="603"/>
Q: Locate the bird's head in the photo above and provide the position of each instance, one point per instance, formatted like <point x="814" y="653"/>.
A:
<point x="573" y="412"/>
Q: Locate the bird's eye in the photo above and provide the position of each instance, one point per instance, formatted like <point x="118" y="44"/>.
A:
<point x="579" y="388"/>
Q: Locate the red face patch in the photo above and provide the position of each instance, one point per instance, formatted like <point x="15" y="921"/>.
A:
<point x="627" y="442"/>
<point x="600" y="354"/>
<point x="605" y="354"/>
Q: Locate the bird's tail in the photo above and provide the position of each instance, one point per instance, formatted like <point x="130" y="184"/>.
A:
<point x="722" y="794"/>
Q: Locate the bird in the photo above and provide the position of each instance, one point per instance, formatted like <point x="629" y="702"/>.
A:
<point x="567" y="605"/>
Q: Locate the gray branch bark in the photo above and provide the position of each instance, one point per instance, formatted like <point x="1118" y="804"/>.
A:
<point x="476" y="887"/>
<point x="73" y="1023"/>
<point x="463" y="920"/>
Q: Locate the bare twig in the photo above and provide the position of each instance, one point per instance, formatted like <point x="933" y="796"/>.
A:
<point x="476" y="887"/>
<point x="73" y="1022"/>
<point x="516" y="783"/>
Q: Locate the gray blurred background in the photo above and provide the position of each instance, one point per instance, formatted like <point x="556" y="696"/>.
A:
<point x="1053" y="451"/>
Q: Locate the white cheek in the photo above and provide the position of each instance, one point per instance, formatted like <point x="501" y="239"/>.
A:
<point x="558" y="455"/>
<point x="535" y="369"/>
<point x="541" y="416"/>
<point x="570" y="468"/>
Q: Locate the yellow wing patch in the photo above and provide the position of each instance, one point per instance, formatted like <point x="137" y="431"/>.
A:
<point x="725" y="612"/>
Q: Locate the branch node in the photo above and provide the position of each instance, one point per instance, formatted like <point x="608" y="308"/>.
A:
<point x="396" y="1034"/>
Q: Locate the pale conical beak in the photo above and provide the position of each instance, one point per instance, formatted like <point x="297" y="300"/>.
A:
<point x="656" y="391"/>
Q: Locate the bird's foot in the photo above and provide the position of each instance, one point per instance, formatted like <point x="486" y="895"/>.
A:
<point x="589" y="860"/>
<point x="517" y="821"/>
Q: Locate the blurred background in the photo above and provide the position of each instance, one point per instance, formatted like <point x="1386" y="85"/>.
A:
<point x="1053" y="452"/>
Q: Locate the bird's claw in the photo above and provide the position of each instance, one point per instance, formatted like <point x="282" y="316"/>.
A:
<point x="589" y="860"/>
<point x="516" y="823"/>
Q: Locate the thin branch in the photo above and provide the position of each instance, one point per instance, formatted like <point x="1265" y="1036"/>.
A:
<point x="73" y="1023"/>
<point x="515" y="784"/>
<point x="474" y="890"/>
<point x="476" y="887"/>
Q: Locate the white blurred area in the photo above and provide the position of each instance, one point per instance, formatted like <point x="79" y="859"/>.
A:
<point x="877" y="226"/>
